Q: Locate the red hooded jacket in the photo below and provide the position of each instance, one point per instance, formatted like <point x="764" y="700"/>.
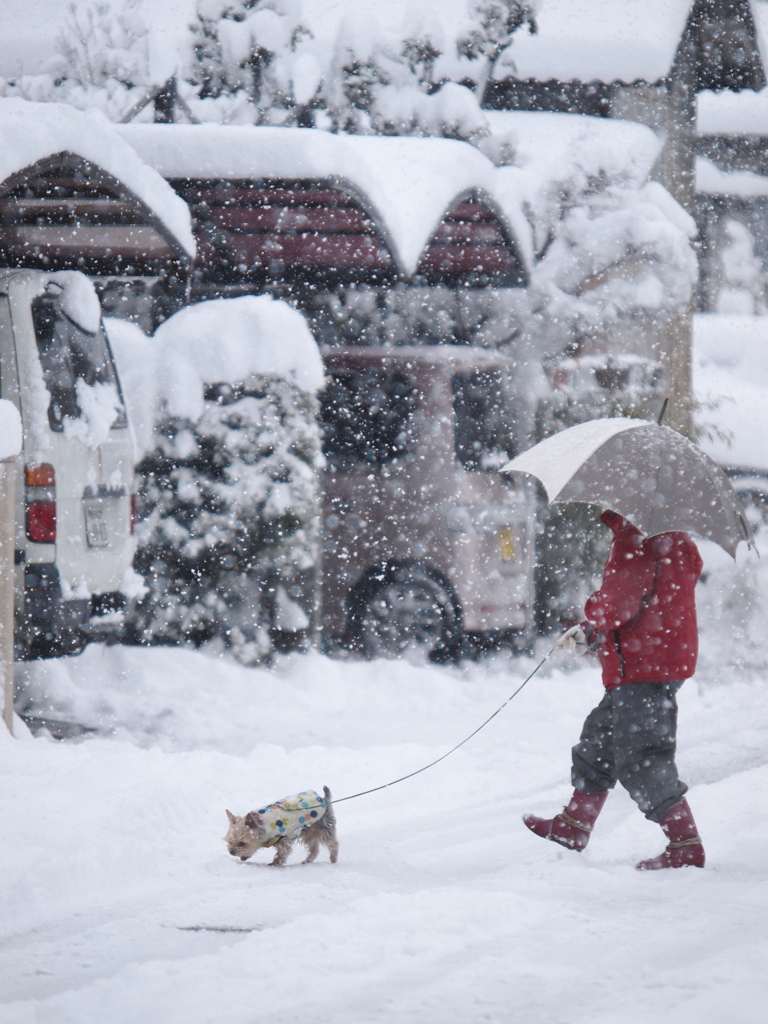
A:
<point x="646" y="608"/>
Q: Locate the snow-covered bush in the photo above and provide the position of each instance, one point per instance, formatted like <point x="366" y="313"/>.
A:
<point x="98" y="43"/>
<point x="229" y="509"/>
<point x="360" y="81"/>
<point x="620" y="249"/>
<point x="222" y="399"/>
<point x="102" y="60"/>
<point x="611" y="245"/>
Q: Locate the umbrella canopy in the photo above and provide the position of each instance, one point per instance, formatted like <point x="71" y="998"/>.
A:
<point x="648" y="473"/>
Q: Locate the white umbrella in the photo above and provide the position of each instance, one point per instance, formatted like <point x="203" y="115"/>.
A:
<point x="648" y="473"/>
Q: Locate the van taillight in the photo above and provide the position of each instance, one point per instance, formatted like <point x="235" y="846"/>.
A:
<point x="40" y="502"/>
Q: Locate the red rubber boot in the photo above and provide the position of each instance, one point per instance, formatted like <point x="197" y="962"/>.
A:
<point x="684" y="849"/>
<point x="573" y="825"/>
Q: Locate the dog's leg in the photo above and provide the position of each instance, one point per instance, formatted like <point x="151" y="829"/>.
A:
<point x="333" y="847"/>
<point x="283" y="849"/>
<point x="312" y="843"/>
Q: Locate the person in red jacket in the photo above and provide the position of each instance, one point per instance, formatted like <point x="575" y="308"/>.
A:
<point x="642" y="622"/>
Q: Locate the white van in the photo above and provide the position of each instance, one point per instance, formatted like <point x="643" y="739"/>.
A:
<point x="73" y="494"/>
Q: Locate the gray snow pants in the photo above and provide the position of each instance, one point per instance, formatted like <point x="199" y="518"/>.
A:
<point x="630" y="737"/>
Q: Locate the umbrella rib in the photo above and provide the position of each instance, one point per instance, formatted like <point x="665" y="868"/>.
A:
<point x="656" y="485"/>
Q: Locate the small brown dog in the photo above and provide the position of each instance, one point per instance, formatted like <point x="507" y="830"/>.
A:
<point x="307" y="817"/>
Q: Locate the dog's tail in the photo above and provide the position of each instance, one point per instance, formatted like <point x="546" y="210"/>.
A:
<point x="329" y="817"/>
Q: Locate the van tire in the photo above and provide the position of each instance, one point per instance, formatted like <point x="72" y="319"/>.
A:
<point x="395" y="606"/>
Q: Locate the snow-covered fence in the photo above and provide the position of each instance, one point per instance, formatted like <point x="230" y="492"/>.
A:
<point x="10" y="446"/>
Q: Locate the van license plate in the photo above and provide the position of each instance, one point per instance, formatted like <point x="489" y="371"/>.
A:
<point x="96" y="527"/>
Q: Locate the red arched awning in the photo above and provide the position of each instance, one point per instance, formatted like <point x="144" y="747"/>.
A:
<point x="65" y="212"/>
<point x="471" y="247"/>
<point x="248" y="230"/>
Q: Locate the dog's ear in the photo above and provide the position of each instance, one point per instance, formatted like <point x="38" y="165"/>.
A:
<point x="232" y="818"/>
<point x="252" y="820"/>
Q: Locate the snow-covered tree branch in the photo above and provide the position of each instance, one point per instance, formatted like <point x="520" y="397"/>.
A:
<point x="490" y="37"/>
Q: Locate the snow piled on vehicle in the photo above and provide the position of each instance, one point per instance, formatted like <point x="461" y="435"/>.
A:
<point x="99" y="406"/>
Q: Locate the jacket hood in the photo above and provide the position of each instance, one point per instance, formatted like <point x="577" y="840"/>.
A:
<point x="619" y="525"/>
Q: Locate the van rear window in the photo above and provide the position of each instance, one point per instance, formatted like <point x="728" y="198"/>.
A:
<point x="364" y="416"/>
<point x="482" y="431"/>
<point x="68" y="353"/>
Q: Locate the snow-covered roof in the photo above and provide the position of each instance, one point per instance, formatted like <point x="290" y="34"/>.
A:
<point x="715" y="182"/>
<point x="409" y="184"/>
<point x="31" y="132"/>
<point x="416" y="181"/>
<point x="732" y="113"/>
<point x="601" y="40"/>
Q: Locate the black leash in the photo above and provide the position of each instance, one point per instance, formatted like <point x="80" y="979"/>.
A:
<point x="418" y="771"/>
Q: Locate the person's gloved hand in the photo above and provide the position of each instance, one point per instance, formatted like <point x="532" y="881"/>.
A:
<point x="573" y="640"/>
<point x="578" y="641"/>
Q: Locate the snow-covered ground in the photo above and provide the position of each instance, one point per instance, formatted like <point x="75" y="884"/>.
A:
<point x="120" y="902"/>
<point x="730" y="379"/>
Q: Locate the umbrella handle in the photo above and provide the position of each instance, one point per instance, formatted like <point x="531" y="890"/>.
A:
<point x="569" y="634"/>
<point x="663" y="410"/>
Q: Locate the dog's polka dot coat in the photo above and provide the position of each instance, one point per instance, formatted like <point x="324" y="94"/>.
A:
<point x="290" y="816"/>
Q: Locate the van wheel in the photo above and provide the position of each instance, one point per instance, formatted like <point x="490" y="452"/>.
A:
<point x="404" y="609"/>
